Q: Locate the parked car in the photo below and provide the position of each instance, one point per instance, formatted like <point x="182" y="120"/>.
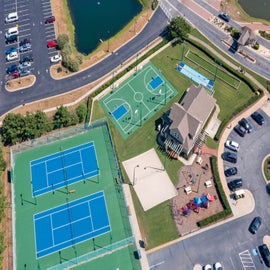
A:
<point x="56" y="58"/>
<point x="255" y="225"/>
<point x="26" y="58"/>
<point x="234" y="146"/>
<point x="246" y="125"/>
<point x="52" y="43"/>
<point x="50" y="19"/>
<point x="12" y="56"/>
<point x="11" y="69"/>
<point x="24" y="72"/>
<point x="11" y="17"/>
<point x="25" y="65"/>
<point x="230" y="157"/>
<point x="240" y="130"/>
<point x="24" y="41"/>
<point x="14" y="75"/>
<point x="264" y="251"/>
<point x="11" y="39"/>
<point x="10" y="50"/>
<point x="268" y="189"/>
<point x="217" y="266"/>
<point x="235" y="184"/>
<point x="25" y="47"/>
<point x="258" y="118"/>
<point x="224" y="16"/>
<point x="231" y="171"/>
<point x="207" y="267"/>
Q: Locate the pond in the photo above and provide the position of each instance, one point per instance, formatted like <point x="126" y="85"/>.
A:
<point x="98" y="20"/>
<point x="257" y="9"/>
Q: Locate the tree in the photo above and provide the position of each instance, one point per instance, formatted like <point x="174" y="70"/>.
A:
<point x="81" y="112"/>
<point x="62" y="40"/>
<point x="179" y="29"/>
<point x="13" y="128"/>
<point x="61" y="117"/>
<point x="42" y="123"/>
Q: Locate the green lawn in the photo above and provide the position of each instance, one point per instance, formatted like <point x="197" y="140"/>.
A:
<point x="157" y="225"/>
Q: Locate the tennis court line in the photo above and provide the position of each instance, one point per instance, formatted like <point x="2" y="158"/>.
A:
<point x="88" y="144"/>
<point x="76" y="168"/>
<point x="90" y="233"/>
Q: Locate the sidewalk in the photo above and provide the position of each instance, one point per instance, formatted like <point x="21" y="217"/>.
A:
<point x="135" y="226"/>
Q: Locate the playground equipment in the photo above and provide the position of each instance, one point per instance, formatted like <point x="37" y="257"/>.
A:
<point x="196" y="204"/>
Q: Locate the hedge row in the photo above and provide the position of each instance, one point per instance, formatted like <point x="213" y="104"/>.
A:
<point x="222" y="197"/>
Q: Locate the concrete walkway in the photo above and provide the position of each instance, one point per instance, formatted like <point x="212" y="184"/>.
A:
<point x="135" y="226"/>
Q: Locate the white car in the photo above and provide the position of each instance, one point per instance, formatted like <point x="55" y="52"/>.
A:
<point x="56" y="58"/>
<point x="217" y="266"/>
<point x="234" y="146"/>
<point x="12" y="56"/>
<point x="207" y="267"/>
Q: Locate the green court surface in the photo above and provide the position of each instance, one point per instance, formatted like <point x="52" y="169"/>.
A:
<point x="137" y="99"/>
<point x="116" y="260"/>
<point x="119" y="239"/>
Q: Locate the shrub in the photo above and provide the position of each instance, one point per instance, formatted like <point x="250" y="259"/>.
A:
<point x="62" y="40"/>
<point x="81" y="112"/>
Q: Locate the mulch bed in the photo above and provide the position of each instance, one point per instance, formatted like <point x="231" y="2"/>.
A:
<point x="195" y="177"/>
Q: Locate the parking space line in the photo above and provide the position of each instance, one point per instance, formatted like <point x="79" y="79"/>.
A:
<point x="23" y="10"/>
<point x="49" y="31"/>
<point x="246" y="260"/>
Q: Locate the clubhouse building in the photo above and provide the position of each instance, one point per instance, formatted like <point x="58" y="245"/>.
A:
<point x="184" y="123"/>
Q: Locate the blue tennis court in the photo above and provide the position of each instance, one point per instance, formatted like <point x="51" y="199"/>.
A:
<point x="195" y="76"/>
<point x="156" y="82"/>
<point x="71" y="223"/>
<point x="119" y="112"/>
<point x="63" y="168"/>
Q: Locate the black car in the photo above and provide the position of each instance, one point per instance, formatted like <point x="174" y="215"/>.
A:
<point x="246" y="125"/>
<point x="12" y="68"/>
<point x="231" y="171"/>
<point x="224" y="16"/>
<point x="229" y="156"/>
<point x="264" y="251"/>
<point x="255" y="225"/>
<point x="25" y="41"/>
<point x="26" y="58"/>
<point x="258" y="118"/>
<point x="234" y="184"/>
<point x="240" y="130"/>
<point x="11" y="39"/>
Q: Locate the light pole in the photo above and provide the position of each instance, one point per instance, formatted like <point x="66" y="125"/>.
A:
<point x="134" y="179"/>
<point x="108" y="41"/>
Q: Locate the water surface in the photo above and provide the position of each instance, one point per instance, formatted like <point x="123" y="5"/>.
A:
<point x="98" y="20"/>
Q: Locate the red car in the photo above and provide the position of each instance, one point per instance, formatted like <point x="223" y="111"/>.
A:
<point x="52" y="43"/>
<point x="50" y="19"/>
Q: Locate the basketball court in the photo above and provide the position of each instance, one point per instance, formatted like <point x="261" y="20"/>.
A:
<point x="137" y="99"/>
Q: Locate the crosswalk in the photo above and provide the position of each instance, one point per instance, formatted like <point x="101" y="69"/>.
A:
<point x="247" y="260"/>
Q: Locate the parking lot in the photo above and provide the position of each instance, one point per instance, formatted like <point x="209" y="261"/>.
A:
<point x="33" y="31"/>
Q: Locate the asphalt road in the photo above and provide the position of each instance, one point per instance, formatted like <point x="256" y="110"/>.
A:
<point x="45" y="86"/>
<point x="172" y="7"/>
<point x="230" y="243"/>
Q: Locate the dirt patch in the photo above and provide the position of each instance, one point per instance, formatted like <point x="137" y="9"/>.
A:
<point x="194" y="176"/>
<point x="20" y="83"/>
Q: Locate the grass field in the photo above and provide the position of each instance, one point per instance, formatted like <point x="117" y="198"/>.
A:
<point x="156" y="224"/>
<point x="26" y="206"/>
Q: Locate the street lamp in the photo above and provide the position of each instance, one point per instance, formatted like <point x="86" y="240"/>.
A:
<point x="134" y="179"/>
<point x="108" y="41"/>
